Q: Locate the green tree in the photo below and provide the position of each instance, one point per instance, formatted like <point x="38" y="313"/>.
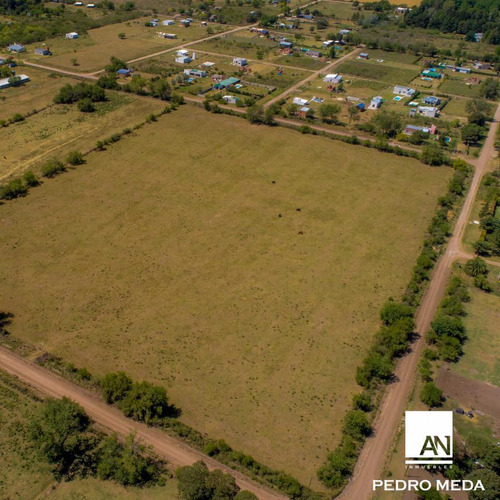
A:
<point x="52" y="167"/>
<point x="13" y="189"/>
<point x="394" y="311"/>
<point x="329" y="112"/>
<point x="86" y="105"/>
<point x="115" y="386"/>
<point x="353" y="112"/>
<point x="475" y="267"/>
<point x="126" y="464"/>
<point x="449" y="326"/>
<point x="255" y="114"/>
<point x="491" y="483"/>
<point x="356" y="425"/>
<point x="387" y="123"/>
<point x="431" y="394"/>
<point x="145" y="402"/>
<point x="121" y="35"/>
<point x="30" y="179"/>
<point x="192" y="482"/>
<point x="433" y="155"/>
<point x="490" y="88"/>
<point x="222" y="486"/>
<point x="471" y="134"/>
<point x="60" y="432"/>
<point x="479" y="111"/>
<point x="245" y="495"/>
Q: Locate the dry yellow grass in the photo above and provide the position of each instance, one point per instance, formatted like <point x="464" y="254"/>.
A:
<point x="166" y="257"/>
<point x="59" y="129"/>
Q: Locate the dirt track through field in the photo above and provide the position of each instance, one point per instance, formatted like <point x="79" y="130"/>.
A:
<point x="373" y="455"/>
<point x="175" y="452"/>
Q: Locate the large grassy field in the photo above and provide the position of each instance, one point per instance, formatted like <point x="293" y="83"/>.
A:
<point x="243" y="267"/>
<point x="93" y="50"/>
<point x="481" y="360"/>
<point x="24" y="475"/>
<point x="62" y="128"/>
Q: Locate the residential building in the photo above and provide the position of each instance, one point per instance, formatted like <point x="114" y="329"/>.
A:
<point x="72" y="35"/>
<point x="364" y="55"/>
<point x="42" y="51"/>
<point x="481" y="65"/>
<point x="168" y="22"/>
<point x="429" y="111"/>
<point x="375" y="103"/>
<point x="402" y="90"/>
<point x="239" y="61"/>
<point x="313" y="53"/>
<point x="197" y="73"/>
<point x="432" y="100"/>
<point x="17" y="47"/>
<point x="224" y="84"/>
<point x="299" y="101"/>
<point x="4" y="82"/>
<point x="432" y="73"/>
<point x="230" y="99"/>
<point x="182" y="59"/>
<point x="333" y="78"/>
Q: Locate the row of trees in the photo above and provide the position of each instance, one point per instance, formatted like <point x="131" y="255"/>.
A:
<point x="85" y="94"/>
<point x="65" y="437"/>
<point x="489" y="242"/>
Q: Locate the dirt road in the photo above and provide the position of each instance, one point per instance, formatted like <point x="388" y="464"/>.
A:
<point x="312" y="76"/>
<point x="175" y="452"/>
<point x="373" y="454"/>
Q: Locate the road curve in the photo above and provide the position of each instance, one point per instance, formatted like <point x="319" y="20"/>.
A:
<point x="174" y="451"/>
<point x="373" y="455"/>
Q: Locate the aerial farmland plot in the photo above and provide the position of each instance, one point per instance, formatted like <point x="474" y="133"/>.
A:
<point x="58" y="129"/>
<point x="92" y="51"/>
<point x="205" y="254"/>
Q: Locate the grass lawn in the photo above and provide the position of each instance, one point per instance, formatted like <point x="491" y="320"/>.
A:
<point x="378" y="71"/>
<point x="34" y="95"/>
<point x="62" y="128"/>
<point x="458" y="86"/>
<point x="481" y="360"/>
<point x="24" y="475"/>
<point x="393" y="57"/>
<point x="165" y="256"/>
<point x="93" y="50"/>
<point x="340" y="10"/>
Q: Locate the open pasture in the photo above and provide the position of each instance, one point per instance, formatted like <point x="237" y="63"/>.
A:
<point x="36" y="94"/>
<point x="481" y="359"/>
<point x="93" y="50"/>
<point x="373" y="70"/>
<point x="59" y="129"/>
<point x="245" y="276"/>
<point x="339" y="10"/>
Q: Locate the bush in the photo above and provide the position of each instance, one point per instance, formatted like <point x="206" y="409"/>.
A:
<point x="52" y="168"/>
<point x="145" y="402"/>
<point x="431" y="395"/>
<point x="75" y="158"/>
<point x="30" y="179"/>
<point x="356" y="425"/>
<point x="14" y="189"/>
<point x="86" y="105"/>
<point x="115" y="386"/>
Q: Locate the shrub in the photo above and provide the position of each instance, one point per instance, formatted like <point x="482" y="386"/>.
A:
<point x="17" y="117"/>
<point x="115" y="386"/>
<point x="145" y="402"/>
<point x="431" y="395"/>
<point x="86" y="105"/>
<point x="14" y="189"/>
<point x="52" y="168"/>
<point x="30" y="179"/>
<point x="75" y="158"/>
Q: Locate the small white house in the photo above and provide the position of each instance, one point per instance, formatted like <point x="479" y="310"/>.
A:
<point x="344" y="32"/>
<point x="20" y="79"/>
<point x="168" y="22"/>
<point x="183" y="59"/>
<point x="90" y="6"/>
<point x="402" y="90"/>
<point x="78" y="4"/>
<point x="428" y="111"/>
<point x="230" y="99"/>
<point x="333" y="78"/>
<point x="299" y="101"/>
<point x="328" y="43"/>
<point x="72" y="35"/>
<point x="207" y="64"/>
<point x="182" y="52"/>
<point x="239" y="61"/>
<point x="375" y="103"/>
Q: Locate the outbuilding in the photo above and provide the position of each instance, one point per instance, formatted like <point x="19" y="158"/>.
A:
<point x="239" y="61"/>
<point x="17" y="47"/>
<point x="364" y="55"/>
<point x="124" y="72"/>
<point x="168" y="22"/>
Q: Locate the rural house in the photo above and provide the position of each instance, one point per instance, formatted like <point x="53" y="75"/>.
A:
<point x="375" y="103"/>
<point x="42" y="51"/>
<point x="402" y="90"/>
<point x="432" y="100"/>
<point x="168" y="22"/>
<point x="299" y="101"/>
<point x="20" y="79"/>
<point x="432" y="73"/>
<point x="481" y="65"/>
<point x="182" y="59"/>
<point x="313" y="53"/>
<point x="124" y="72"/>
<point x="224" y="84"/>
<point x="364" y="55"/>
<point x="411" y="129"/>
<point x="429" y="111"/>
<point x="72" y="35"/>
<point x="333" y="78"/>
<point x="230" y="99"/>
<point x="197" y="73"/>
<point x="239" y="61"/>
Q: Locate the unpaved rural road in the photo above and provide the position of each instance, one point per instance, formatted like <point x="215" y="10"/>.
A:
<point x="175" y="452"/>
<point x="312" y="76"/>
<point x="373" y="455"/>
